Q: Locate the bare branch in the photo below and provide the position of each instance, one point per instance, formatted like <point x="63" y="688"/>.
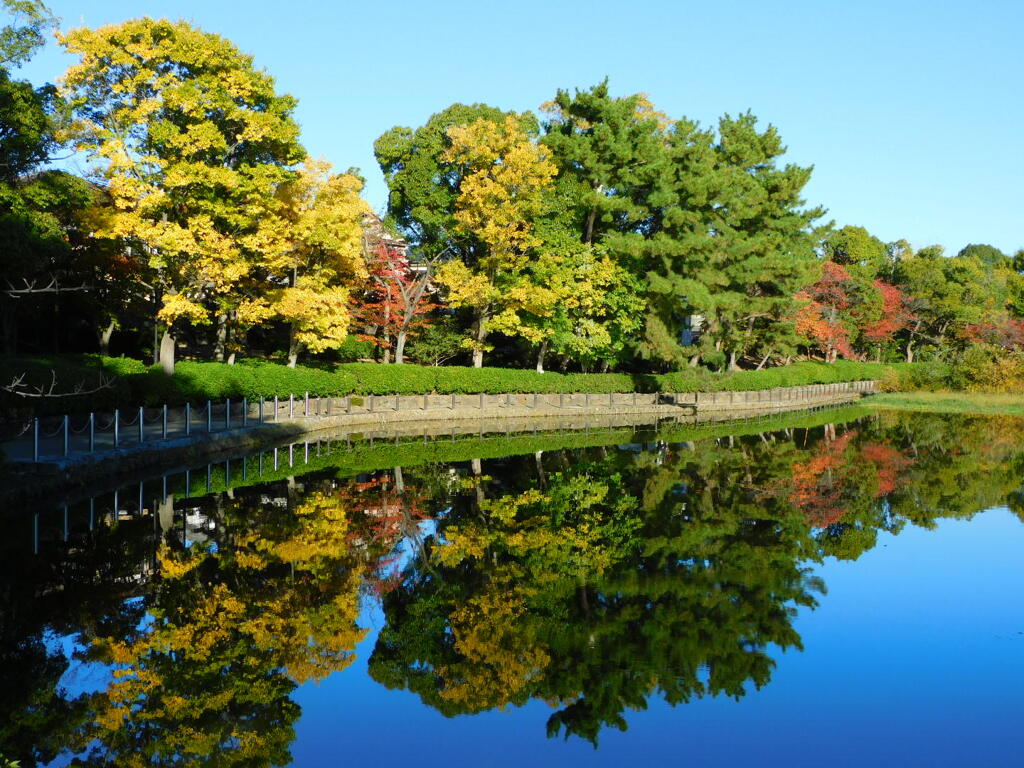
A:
<point x="18" y="387"/>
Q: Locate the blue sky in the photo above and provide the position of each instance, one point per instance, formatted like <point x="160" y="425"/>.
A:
<point x="911" y="112"/>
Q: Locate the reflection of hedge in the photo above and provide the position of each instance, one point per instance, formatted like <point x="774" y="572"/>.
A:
<point x="346" y="460"/>
<point x="135" y="384"/>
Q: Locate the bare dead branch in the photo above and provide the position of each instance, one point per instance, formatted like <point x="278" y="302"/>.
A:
<point x="19" y="387"/>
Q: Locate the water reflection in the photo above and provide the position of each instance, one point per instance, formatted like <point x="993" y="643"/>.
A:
<point x="174" y="628"/>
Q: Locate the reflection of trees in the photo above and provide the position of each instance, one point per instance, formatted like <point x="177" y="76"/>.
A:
<point x="669" y="572"/>
<point x="232" y="628"/>
<point x="585" y="597"/>
<point x="592" y="580"/>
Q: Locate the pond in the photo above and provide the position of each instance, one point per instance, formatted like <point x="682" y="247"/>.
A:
<point x="837" y="588"/>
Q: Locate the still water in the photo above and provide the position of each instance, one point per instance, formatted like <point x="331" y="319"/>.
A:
<point x="828" y="589"/>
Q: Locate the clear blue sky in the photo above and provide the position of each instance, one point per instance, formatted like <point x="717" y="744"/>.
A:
<point x="911" y="112"/>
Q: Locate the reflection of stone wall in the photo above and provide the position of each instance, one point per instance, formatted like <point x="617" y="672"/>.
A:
<point x="397" y="415"/>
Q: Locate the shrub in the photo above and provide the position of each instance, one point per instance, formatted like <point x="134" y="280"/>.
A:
<point x="986" y="368"/>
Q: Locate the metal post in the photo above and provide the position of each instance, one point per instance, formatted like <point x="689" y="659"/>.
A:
<point x="67" y="526"/>
<point x="275" y="408"/>
<point x="291" y="406"/>
<point x="305" y="410"/>
<point x="92" y="432"/>
<point x="117" y="428"/>
<point x="209" y="477"/>
<point x="142" y="422"/>
<point x="227" y="473"/>
<point x="188" y="482"/>
<point x="481" y="401"/>
<point x="561" y="399"/>
<point x="348" y="403"/>
<point x="227" y="413"/>
<point x="66" y="435"/>
<point x="35" y="534"/>
<point x="369" y="400"/>
<point x="453" y="401"/>
<point x="92" y="512"/>
<point x="209" y="417"/>
<point x="398" y="403"/>
<point x="164" y="433"/>
<point x="275" y="458"/>
<point x="306" y="458"/>
<point x="245" y="411"/>
<point x="291" y="455"/>
<point x="261" y="409"/>
<point x="188" y="419"/>
<point x="329" y="401"/>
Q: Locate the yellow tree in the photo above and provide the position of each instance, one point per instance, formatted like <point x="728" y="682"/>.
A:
<point x="192" y="142"/>
<point x="500" y="198"/>
<point x="318" y="257"/>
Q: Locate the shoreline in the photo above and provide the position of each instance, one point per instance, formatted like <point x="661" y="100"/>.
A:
<point x="688" y="408"/>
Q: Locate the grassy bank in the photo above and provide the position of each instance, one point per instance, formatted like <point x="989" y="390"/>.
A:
<point x="951" y="402"/>
<point x="131" y="382"/>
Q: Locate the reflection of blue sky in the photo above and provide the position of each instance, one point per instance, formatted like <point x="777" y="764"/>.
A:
<point x="915" y="657"/>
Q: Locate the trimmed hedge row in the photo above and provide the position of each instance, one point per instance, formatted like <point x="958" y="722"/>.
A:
<point x="135" y="383"/>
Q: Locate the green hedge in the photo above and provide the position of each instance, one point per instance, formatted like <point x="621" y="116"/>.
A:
<point x="135" y="383"/>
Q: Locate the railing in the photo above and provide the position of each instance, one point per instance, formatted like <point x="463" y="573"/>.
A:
<point x="62" y="436"/>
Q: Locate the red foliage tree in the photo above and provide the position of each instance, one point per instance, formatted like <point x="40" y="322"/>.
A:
<point x="395" y="301"/>
<point x="821" y="319"/>
<point x="1007" y="333"/>
<point x="895" y="315"/>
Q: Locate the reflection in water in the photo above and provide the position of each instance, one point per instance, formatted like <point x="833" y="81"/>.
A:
<point x="174" y="630"/>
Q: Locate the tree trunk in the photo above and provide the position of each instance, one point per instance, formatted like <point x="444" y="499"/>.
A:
<point x="231" y="359"/>
<point x="481" y="335"/>
<point x="105" y="335"/>
<point x="400" y="347"/>
<point x="294" y="347"/>
<point x="540" y="356"/>
<point x="588" y="234"/>
<point x="220" y="344"/>
<point x="167" y="352"/>
<point x="603" y="367"/>
<point x="399" y="480"/>
<point x="732" y="362"/>
<point x="910" y="351"/>
<point x="695" y="361"/>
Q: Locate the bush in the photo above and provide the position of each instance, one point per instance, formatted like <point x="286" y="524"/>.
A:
<point x="985" y="368"/>
<point x="136" y="384"/>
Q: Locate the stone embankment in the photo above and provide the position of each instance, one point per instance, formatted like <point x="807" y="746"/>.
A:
<point x="438" y="414"/>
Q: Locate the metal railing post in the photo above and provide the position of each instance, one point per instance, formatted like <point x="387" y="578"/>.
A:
<point x="398" y="403"/>
<point x="245" y="412"/>
<point x="261" y="409"/>
<point x="35" y="439"/>
<point x="67" y="435"/>
<point x="305" y="408"/>
<point x="117" y="427"/>
<point x="142" y="422"/>
<point x="348" y="403"/>
<point x="209" y="417"/>
<point x="92" y="432"/>
<point x="275" y="408"/>
<point x="481" y="401"/>
<point x="453" y="401"/>
<point x="227" y="413"/>
<point x="291" y="406"/>
<point x="164" y="423"/>
<point x="188" y="419"/>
